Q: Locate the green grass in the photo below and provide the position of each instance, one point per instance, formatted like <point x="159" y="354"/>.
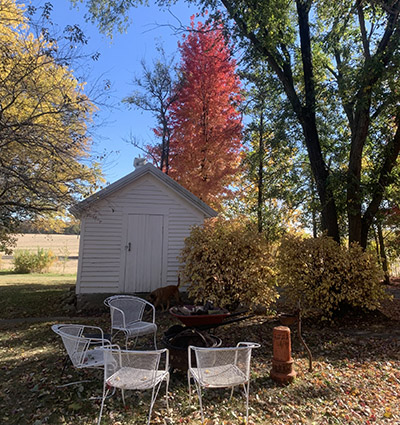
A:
<point x="33" y="295"/>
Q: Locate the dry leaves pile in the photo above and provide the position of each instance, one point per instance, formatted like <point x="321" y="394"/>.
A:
<point x="356" y="379"/>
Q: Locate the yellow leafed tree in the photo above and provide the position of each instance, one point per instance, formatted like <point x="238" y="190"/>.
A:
<point x="44" y="113"/>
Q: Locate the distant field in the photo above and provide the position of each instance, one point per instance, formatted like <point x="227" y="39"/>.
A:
<point x="61" y="245"/>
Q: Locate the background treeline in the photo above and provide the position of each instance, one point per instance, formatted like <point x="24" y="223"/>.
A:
<point x="51" y="226"/>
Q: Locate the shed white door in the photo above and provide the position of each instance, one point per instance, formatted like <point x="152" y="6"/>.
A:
<point x="144" y="253"/>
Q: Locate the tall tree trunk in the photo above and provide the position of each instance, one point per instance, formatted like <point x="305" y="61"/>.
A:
<point x="313" y="212"/>
<point x="321" y="175"/>
<point x="309" y="124"/>
<point x="383" y="254"/>
<point x="166" y="135"/>
<point x="390" y="159"/>
<point x="260" y="182"/>
<point x="378" y="255"/>
<point x="359" y="224"/>
<point x="354" y="196"/>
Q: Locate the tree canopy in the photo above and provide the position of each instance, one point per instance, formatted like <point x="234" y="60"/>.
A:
<point x="337" y="63"/>
<point x="44" y="116"/>
<point x="205" y="121"/>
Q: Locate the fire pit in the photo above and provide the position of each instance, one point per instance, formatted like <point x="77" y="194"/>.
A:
<point x="198" y="319"/>
<point x="178" y="338"/>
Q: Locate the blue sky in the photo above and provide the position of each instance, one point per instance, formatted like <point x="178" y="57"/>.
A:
<point x="119" y="61"/>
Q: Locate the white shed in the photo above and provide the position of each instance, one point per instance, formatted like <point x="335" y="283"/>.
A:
<point x="133" y="231"/>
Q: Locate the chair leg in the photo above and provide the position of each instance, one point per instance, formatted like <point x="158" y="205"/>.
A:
<point x="246" y="392"/>
<point x="198" y="388"/>
<point x="105" y="392"/>
<point x="190" y="391"/>
<point x="166" y="392"/>
<point x="154" y="394"/>
<point x="151" y="407"/>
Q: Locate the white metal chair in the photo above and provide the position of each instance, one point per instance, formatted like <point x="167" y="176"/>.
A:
<point x="127" y="317"/>
<point x="82" y="344"/>
<point x="221" y="368"/>
<point x="134" y="370"/>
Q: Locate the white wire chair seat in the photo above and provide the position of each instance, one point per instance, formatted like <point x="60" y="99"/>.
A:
<point x="219" y="376"/>
<point x="135" y="370"/>
<point x="222" y="367"/>
<point x="127" y="316"/>
<point x="138" y="329"/>
<point x="135" y="379"/>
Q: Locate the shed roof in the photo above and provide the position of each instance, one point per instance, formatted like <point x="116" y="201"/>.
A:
<point x="135" y="175"/>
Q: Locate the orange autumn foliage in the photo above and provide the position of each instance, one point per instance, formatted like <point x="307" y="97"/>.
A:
<point x="206" y="125"/>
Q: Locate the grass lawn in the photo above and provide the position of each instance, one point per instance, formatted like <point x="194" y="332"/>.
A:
<point x="33" y="295"/>
<point x="356" y="377"/>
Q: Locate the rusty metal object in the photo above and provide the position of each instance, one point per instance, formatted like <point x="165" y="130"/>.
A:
<point x="282" y="362"/>
<point x="288" y="319"/>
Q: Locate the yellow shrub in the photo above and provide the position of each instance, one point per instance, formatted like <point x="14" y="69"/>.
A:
<point x="228" y="263"/>
<point x="325" y="276"/>
<point x="33" y="262"/>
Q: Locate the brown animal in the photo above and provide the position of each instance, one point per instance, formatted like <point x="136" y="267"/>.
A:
<point x="163" y="296"/>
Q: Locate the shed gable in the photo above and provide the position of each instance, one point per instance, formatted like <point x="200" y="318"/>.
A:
<point x="105" y="240"/>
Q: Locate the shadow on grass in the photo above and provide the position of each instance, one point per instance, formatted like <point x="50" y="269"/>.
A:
<point x="30" y="380"/>
<point x="6" y="272"/>
<point x="33" y="300"/>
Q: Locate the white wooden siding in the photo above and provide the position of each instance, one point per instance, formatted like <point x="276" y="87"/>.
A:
<point x="181" y="220"/>
<point x="104" y="234"/>
<point x="100" y="252"/>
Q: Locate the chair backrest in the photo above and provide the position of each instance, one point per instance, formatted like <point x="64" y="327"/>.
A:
<point x="81" y="343"/>
<point x="146" y="363"/>
<point x="126" y="309"/>
<point x="74" y="342"/>
<point x="221" y="357"/>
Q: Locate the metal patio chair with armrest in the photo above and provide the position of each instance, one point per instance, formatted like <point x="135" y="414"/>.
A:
<point x="134" y="370"/>
<point x="224" y="367"/>
<point x="127" y="317"/>
<point x="83" y="351"/>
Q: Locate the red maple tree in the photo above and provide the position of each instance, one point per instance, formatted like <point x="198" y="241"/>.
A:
<point x="206" y="125"/>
